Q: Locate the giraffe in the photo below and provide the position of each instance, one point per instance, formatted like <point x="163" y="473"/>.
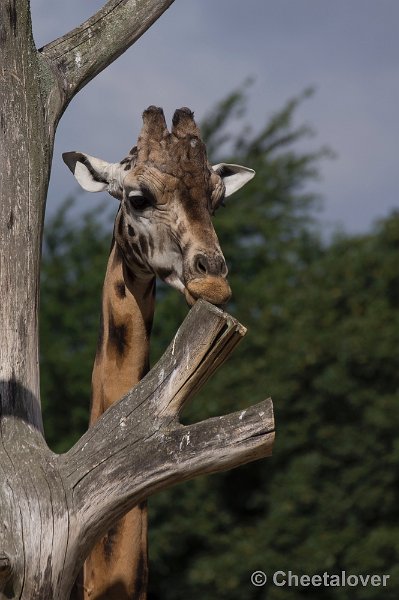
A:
<point x="168" y="192"/>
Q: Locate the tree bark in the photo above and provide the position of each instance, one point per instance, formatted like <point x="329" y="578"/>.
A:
<point x="25" y="154"/>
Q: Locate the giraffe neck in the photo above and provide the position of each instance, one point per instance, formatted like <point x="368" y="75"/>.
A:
<point x="117" y="567"/>
<point x="127" y="312"/>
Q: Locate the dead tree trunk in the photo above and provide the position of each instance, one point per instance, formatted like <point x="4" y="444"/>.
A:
<point x="52" y="508"/>
<point x="55" y="507"/>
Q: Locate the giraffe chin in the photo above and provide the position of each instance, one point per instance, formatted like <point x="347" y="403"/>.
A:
<point x="215" y="290"/>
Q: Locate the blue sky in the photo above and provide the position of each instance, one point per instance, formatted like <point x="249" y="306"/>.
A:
<point x="200" y="50"/>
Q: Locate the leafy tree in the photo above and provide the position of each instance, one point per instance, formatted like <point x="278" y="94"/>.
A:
<point x="323" y="338"/>
<point x="323" y="330"/>
<point x="75" y="251"/>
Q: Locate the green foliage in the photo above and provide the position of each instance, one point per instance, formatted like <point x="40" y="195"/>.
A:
<point x="75" y="253"/>
<point x="323" y="335"/>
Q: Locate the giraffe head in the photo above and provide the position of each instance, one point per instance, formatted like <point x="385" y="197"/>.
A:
<point x="168" y="192"/>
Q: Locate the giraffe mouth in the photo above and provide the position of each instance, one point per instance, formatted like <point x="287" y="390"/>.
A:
<point x="191" y="300"/>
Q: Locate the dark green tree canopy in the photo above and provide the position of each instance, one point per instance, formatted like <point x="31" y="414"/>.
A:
<point x="323" y="336"/>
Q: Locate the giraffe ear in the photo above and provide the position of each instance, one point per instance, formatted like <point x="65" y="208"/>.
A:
<point x="234" y="176"/>
<point x="94" y="174"/>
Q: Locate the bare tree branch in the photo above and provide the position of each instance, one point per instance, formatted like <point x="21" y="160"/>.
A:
<point x="82" y="53"/>
<point x="139" y="447"/>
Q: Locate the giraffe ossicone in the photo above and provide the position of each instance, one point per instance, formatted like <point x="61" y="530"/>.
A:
<point x="168" y="192"/>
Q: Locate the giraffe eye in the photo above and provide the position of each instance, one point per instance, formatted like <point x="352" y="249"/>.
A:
<point x="138" y="200"/>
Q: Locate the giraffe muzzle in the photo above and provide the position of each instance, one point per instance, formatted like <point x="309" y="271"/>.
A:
<point x="215" y="290"/>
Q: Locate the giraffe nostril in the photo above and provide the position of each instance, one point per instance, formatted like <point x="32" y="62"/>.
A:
<point x="213" y="265"/>
<point x="201" y="265"/>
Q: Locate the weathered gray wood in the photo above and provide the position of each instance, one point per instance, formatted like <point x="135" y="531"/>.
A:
<point x="34" y="519"/>
<point x="5" y="570"/>
<point x="141" y="447"/>
<point x="55" y="507"/>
